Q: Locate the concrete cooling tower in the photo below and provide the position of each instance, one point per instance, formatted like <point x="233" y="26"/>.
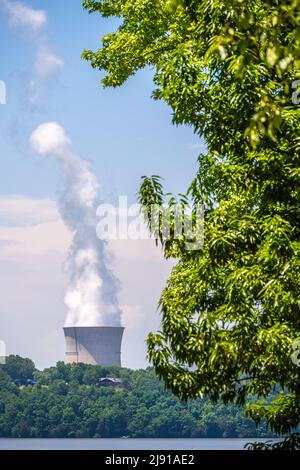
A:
<point x="94" y="345"/>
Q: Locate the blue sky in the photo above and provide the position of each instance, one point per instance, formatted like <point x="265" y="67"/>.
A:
<point x="122" y="132"/>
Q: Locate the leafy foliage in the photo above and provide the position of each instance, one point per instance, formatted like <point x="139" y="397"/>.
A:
<point x="19" y="369"/>
<point x="67" y="401"/>
<point x="289" y="443"/>
<point x="230" y="311"/>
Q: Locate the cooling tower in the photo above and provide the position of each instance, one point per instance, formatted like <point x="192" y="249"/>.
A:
<point x="94" y="345"/>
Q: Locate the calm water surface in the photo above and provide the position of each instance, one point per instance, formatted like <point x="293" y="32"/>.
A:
<point x="125" y="444"/>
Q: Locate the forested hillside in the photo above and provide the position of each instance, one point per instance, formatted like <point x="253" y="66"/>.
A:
<point x="67" y="401"/>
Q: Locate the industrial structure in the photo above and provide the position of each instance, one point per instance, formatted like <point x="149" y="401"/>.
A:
<point x="93" y="345"/>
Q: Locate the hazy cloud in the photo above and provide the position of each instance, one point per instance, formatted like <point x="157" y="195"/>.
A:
<point x="7" y="243"/>
<point x="31" y="228"/>
<point x="46" y="63"/>
<point x="20" y="15"/>
<point x="19" y="211"/>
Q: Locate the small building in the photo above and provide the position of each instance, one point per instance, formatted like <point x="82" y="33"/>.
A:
<point x="30" y="382"/>
<point x="26" y="383"/>
<point x="110" y="382"/>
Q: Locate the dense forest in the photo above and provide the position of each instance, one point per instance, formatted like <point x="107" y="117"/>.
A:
<point x="68" y="401"/>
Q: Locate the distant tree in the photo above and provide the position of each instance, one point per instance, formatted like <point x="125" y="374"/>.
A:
<point x="19" y="369"/>
<point x="230" y="311"/>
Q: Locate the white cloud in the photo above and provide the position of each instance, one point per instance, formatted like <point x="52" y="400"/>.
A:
<point x="20" y="15"/>
<point x="19" y="211"/>
<point x="49" y="138"/>
<point x="46" y="63"/>
<point x="132" y="316"/>
<point x="31" y="227"/>
<point x="7" y="242"/>
<point x="36" y="240"/>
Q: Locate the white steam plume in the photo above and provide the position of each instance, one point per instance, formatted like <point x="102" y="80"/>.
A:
<point x="91" y="297"/>
<point x="23" y="16"/>
<point x="33" y="23"/>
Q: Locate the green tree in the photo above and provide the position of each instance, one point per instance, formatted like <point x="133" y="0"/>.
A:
<point x="19" y="369"/>
<point x="231" y="310"/>
<point x="144" y="408"/>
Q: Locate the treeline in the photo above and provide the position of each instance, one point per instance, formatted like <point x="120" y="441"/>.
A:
<point x="67" y="401"/>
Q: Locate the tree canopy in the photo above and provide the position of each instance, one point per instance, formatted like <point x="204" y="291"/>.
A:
<point x="18" y="368"/>
<point x="67" y="401"/>
<point x="231" y="310"/>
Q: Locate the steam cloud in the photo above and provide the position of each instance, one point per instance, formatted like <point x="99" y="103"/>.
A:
<point x="91" y="297"/>
<point x="21" y="15"/>
<point x="33" y="23"/>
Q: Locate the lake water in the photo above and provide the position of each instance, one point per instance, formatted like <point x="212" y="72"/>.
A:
<point x="125" y="444"/>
